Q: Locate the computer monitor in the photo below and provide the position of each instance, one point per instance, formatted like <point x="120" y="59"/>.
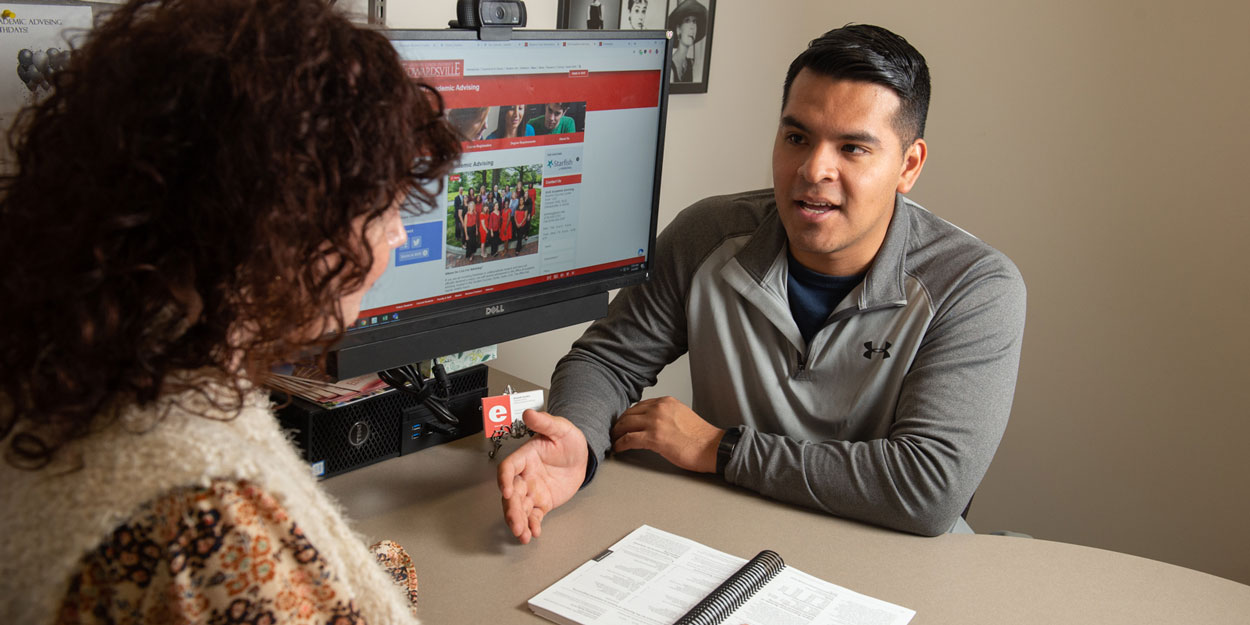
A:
<point x="577" y="119"/>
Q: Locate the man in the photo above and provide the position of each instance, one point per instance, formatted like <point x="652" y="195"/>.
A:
<point x="460" y="206"/>
<point x="849" y="351"/>
<point x="553" y="121"/>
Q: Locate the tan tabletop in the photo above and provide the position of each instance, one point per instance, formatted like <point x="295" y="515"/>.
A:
<point x="442" y="505"/>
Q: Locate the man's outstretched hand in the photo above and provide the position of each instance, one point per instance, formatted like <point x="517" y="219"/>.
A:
<point x="544" y="473"/>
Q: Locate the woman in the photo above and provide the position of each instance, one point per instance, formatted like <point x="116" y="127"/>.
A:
<point x="520" y="219"/>
<point x="594" y="18"/>
<point x="509" y="123"/>
<point x="469" y="123"/>
<point x="636" y="14"/>
<point x="220" y="182"/>
<point x="483" y="223"/>
<point x="688" y="23"/>
<point x="492" y="226"/>
<point x="505" y="223"/>
<point x="471" y="226"/>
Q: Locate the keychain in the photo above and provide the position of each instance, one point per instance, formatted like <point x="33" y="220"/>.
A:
<point x="520" y="431"/>
<point x="501" y="416"/>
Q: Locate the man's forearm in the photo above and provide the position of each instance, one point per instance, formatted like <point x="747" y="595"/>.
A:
<point x="586" y="393"/>
<point x="911" y="486"/>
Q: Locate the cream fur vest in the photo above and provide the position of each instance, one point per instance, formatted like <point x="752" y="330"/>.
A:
<point x="49" y="519"/>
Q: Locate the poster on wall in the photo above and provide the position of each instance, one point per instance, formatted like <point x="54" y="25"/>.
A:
<point x="589" y="14"/>
<point x="688" y="21"/>
<point x="32" y="49"/>
<point x="643" y="15"/>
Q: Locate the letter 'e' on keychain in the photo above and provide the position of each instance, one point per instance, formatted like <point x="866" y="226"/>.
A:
<point x="501" y="416"/>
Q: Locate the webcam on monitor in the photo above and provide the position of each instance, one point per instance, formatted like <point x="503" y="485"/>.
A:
<point x="492" y="18"/>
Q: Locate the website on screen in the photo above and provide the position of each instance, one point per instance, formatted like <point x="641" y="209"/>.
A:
<point x="557" y="175"/>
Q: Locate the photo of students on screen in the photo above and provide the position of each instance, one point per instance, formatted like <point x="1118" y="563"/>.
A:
<point x="492" y="214"/>
<point x="470" y="123"/>
<point x="555" y="118"/>
<point x="510" y="122"/>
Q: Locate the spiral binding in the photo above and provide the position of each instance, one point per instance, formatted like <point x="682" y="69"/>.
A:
<point x="735" y="591"/>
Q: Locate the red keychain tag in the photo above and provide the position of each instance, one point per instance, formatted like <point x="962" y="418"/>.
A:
<point x="503" y="411"/>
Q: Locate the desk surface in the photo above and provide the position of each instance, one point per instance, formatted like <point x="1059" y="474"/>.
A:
<point x="442" y="505"/>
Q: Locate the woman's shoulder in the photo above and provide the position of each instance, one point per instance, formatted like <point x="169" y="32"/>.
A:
<point x="227" y="548"/>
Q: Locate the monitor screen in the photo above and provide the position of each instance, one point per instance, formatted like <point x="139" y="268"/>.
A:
<point x="552" y="204"/>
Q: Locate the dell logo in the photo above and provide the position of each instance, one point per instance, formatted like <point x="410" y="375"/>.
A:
<point x="870" y="350"/>
<point x="494" y="310"/>
<point x="359" y="434"/>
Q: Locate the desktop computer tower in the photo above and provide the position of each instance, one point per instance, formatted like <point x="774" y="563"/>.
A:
<point x="337" y="440"/>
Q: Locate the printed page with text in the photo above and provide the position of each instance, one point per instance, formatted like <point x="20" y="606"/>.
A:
<point x="652" y="577"/>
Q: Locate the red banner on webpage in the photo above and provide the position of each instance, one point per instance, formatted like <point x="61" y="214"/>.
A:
<point x="601" y="91"/>
<point x="559" y="181"/>
<point x="495" y="288"/>
<point x="522" y="142"/>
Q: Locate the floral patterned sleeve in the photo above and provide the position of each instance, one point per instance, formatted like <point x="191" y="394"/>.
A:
<point x="225" y="554"/>
<point x="395" y="560"/>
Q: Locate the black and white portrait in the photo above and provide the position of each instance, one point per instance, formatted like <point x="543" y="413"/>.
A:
<point x="590" y="14"/>
<point x="690" y="21"/>
<point x="643" y="15"/>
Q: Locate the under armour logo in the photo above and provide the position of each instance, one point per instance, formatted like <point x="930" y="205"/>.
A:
<point x="870" y="350"/>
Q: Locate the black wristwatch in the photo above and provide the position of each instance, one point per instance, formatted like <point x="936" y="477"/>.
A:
<point x="725" y="450"/>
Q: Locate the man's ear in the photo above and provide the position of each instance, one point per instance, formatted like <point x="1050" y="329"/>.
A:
<point x="913" y="161"/>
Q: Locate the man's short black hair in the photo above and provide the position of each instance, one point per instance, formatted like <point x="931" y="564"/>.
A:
<point x="871" y="54"/>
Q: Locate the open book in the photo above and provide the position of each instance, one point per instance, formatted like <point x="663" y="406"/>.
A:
<point x="652" y="577"/>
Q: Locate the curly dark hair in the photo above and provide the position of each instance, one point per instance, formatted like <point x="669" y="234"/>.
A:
<point x="184" y="200"/>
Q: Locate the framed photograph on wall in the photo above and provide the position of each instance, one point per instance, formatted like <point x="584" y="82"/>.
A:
<point x="690" y="21"/>
<point x="644" y="15"/>
<point x="589" y="14"/>
<point x="36" y="41"/>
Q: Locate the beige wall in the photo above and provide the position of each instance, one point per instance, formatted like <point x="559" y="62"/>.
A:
<point x="1100" y="145"/>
